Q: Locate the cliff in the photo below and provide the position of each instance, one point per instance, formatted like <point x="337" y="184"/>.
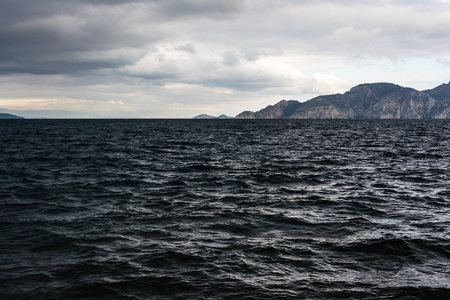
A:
<point x="365" y="101"/>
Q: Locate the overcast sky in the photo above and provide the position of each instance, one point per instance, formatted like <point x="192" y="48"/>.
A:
<point x="180" y="58"/>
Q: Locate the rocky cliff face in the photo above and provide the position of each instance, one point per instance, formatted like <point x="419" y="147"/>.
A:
<point x="368" y="101"/>
<point x="246" y="115"/>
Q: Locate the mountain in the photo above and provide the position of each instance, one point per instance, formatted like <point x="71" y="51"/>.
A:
<point x="9" y="116"/>
<point x="205" y="116"/>
<point x="365" y="101"/>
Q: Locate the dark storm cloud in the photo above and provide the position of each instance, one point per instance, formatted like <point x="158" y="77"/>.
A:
<point x="68" y="37"/>
<point x="58" y="37"/>
<point x="60" y="67"/>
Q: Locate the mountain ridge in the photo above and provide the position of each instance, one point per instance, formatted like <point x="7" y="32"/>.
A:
<point x="381" y="100"/>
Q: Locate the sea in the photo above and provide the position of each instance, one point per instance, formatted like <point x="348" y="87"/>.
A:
<point x="224" y="209"/>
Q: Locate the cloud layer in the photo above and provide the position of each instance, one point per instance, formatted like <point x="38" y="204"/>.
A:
<point x="177" y="58"/>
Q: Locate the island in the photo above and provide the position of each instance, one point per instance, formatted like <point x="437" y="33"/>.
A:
<point x="205" y="116"/>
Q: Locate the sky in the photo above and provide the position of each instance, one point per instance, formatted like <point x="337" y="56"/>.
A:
<point x="181" y="58"/>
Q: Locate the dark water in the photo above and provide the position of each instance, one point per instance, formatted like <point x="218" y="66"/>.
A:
<point x="224" y="209"/>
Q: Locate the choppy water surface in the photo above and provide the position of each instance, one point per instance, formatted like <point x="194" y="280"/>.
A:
<point x="224" y="209"/>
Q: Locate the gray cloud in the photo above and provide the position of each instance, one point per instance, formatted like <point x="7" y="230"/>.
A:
<point x="65" y="37"/>
<point x="199" y="8"/>
<point x="69" y="38"/>
<point x="190" y="48"/>
<point x="229" y="58"/>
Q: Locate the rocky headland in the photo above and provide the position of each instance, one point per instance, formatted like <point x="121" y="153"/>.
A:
<point x="365" y="101"/>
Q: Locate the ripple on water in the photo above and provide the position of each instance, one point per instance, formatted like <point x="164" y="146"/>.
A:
<point x="285" y="209"/>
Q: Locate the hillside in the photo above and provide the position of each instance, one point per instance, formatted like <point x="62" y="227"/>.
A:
<point x="365" y="101"/>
